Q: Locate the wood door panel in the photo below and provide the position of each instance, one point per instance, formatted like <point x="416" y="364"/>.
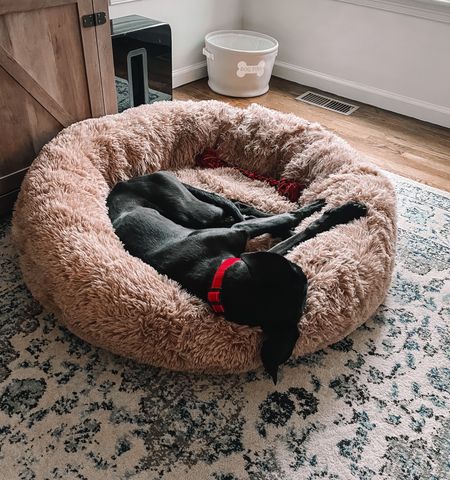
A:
<point x="89" y="38"/>
<point x="26" y="127"/>
<point x="50" y="76"/>
<point x="34" y="88"/>
<point x="12" y="6"/>
<point x="105" y="55"/>
<point x="52" y="54"/>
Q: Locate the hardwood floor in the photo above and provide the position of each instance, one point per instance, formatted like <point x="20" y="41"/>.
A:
<point x="396" y="143"/>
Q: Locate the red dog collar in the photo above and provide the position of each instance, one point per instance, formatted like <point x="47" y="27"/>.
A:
<point x="216" y="285"/>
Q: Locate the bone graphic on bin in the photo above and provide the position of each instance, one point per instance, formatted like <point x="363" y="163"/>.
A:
<point x="244" y="69"/>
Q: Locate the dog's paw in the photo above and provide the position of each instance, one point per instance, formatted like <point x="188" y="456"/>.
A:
<point x="354" y="210"/>
<point x="346" y="213"/>
<point x="317" y="204"/>
<point x="309" y="209"/>
<point x="357" y="208"/>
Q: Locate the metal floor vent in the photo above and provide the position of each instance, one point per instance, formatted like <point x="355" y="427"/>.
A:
<point x="328" y="103"/>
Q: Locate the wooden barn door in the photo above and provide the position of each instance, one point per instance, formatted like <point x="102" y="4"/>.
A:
<point x="55" y="69"/>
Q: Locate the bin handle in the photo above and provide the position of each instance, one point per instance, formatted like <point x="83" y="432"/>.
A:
<point x="243" y="69"/>
<point x="208" y="54"/>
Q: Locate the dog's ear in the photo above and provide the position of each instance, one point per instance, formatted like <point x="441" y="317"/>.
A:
<point x="276" y="349"/>
<point x="271" y="266"/>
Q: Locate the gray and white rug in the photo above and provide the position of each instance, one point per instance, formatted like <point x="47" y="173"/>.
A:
<point x="374" y="406"/>
<point x="123" y="95"/>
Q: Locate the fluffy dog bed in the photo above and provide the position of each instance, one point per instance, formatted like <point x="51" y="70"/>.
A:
<point x="75" y="265"/>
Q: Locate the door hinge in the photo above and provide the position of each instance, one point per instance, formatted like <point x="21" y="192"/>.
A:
<point x="94" y="19"/>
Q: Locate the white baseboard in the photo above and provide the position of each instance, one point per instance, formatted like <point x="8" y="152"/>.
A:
<point x="188" y="74"/>
<point x="394" y="102"/>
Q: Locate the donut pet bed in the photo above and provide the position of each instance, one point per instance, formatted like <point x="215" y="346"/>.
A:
<point x="75" y="265"/>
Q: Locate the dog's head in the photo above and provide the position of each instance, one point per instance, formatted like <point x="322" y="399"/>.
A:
<point x="267" y="291"/>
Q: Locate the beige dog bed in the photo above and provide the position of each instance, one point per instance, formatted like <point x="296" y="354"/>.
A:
<point x="75" y="265"/>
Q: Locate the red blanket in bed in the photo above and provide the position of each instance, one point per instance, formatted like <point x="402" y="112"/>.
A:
<point x="289" y="189"/>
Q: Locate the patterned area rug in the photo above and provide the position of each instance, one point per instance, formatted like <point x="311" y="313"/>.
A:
<point x="374" y="406"/>
<point x="123" y="95"/>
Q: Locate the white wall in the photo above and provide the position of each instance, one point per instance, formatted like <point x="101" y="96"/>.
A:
<point x="190" y="21"/>
<point x="395" y="61"/>
<point x="398" y="61"/>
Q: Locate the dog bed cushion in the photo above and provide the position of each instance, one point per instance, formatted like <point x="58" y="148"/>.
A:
<point x="76" y="266"/>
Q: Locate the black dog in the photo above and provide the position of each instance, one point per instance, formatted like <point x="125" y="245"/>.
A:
<point x="198" y="239"/>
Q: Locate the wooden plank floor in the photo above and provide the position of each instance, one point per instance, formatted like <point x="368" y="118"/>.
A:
<point x="399" y="144"/>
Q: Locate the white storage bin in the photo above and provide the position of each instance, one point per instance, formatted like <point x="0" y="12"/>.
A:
<point x="240" y="62"/>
